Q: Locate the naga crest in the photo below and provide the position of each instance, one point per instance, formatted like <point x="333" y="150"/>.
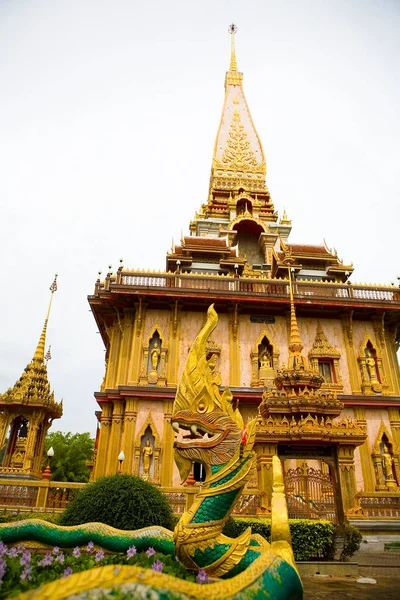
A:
<point x="208" y="429"/>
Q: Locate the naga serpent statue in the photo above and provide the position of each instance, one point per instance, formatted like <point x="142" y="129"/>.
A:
<point x="209" y="431"/>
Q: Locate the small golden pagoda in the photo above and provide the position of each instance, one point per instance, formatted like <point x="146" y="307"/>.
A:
<point x="27" y="411"/>
<point x="333" y="418"/>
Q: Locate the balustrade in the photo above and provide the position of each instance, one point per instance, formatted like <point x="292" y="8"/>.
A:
<point x="242" y="285"/>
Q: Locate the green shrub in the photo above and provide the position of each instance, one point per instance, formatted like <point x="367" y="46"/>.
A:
<point x="352" y="540"/>
<point x="122" y="501"/>
<point x="310" y="539"/>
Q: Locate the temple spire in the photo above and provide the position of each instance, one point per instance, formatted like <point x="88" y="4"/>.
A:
<point x="232" y="30"/>
<point x="296" y="359"/>
<point x="39" y="352"/>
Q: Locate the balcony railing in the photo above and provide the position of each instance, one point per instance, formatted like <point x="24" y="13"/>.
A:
<point x="278" y="288"/>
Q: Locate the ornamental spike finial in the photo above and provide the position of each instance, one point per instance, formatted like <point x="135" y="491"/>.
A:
<point x="39" y="352"/>
<point x="233" y="64"/>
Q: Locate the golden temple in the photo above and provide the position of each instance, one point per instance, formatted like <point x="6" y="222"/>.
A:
<point x="305" y="350"/>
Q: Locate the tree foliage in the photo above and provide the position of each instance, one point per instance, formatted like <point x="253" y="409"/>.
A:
<point x="71" y="452"/>
<point x="122" y="501"/>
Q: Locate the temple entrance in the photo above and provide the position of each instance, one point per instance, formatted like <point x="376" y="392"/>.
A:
<point x="310" y="490"/>
<point x="312" y="482"/>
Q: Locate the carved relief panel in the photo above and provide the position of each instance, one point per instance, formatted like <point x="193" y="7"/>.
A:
<point x="385" y="458"/>
<point x="371" y="368"/>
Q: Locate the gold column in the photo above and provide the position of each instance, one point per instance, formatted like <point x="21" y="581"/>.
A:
<point x="365" y="453"/>
<point x="125" y="350"/>
<point x="394" y="418"/>
<point x="129" y="434"/>
<point x="104" y="438"/>
<point x="4" y="423"/>
<point x="265" y="452"/>
<point x="167" y="460"/>
<point x="393" y="362"/>
<point x="347" y="327"/>
<point x="173" y="352"/>
<point x="31" y="441"/>
<point x="347" y="476"/>
<point x="114" y="447"/>
<point x="234" y="347"/>
<point x="114" y="335"/>
<point x="137" y="342"/>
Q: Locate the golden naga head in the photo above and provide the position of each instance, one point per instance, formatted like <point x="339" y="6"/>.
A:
<point x="208" y="428"/>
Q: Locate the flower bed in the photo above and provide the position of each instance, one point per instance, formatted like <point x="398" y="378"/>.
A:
<point x="21" y="569"/>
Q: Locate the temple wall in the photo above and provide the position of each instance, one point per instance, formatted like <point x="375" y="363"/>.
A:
<point x="374" y="418"/>
<point x="159" y="319"/>
<point x="155" y="408"/>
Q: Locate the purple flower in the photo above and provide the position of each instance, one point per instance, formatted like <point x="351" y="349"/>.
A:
<point x="202" y="577"/>
<point x="67" y="572"/>
<point x="3" y="567"/>
<point x="157" y="566"/>
<point x="99" y="556"/>
<point x="131" y="552"/>
<point x="47" y="560"/>
<point x="60" y="558"/>
<point x="150" y="551"/>
<point x="76" y="552"/>
<point x="20" y="548"/>
<point x="26" y="574"/>
<point x="3" y="549"/>
<point x="13" y="552"/>
<point x="25" y="558"/>
<point x="56" y="550"/>
<point x="90" y="547"/>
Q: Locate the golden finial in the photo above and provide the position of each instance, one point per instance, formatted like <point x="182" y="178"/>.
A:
<point x="295" y="343"/>
<point x="232" y="30"/>
<point x="39" y="352"/>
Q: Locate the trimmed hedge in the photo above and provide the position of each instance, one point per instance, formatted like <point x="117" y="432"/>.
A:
<point x="310" y="539"/>
<point x="122" y="501"/>
<point x="11" y="516"/>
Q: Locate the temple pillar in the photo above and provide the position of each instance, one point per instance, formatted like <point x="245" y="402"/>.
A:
<point x="31" y="441"/>
<point x="125" y="349"/>
<point x="173" y="353"/>
<point x="347" y="477"/>
<point x="390" y="337"/>
<point x="137" y="342"/>
<point x="114" y="335"/>
<point x="265" y="452"/>
<point x="365" y="453"/>
<point x="385" y="370"/>
<point x="4" y="423"/>
<point x="347" y="328"/>
<point x="168" y="446"/>
<point x="234" y="347"/>
<point x="104" y="438"/>
<point x="394" y="418"/>
<point x="129" y="434"/>
<point x="114" y="447"/>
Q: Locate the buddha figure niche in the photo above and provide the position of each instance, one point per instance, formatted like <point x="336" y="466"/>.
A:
<point x="153" y="369"/>
<point x="147" y="445"/>
<point x="387" y="468"/>
<point x="370" y="369"/>
<point x="264" y="361"/>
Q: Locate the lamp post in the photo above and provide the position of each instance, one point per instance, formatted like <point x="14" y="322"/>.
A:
<point x="47" y="473"/>
<point x="121" y="458"/>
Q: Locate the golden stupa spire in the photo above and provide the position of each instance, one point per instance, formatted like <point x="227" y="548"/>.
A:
<point x="232" y="30"/>
<point x="296" y="358"/>
<point x="33" y="386"/>
<point x="39" y="352"/>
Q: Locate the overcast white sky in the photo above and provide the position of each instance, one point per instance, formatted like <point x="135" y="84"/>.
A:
<point x="108" y="116"/>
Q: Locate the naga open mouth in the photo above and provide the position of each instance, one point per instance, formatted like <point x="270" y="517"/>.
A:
<point x="189" y="432"/>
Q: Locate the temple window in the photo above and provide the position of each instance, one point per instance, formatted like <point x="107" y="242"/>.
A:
<point x="324" y="358"/>
<point x="327" y="370"/>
